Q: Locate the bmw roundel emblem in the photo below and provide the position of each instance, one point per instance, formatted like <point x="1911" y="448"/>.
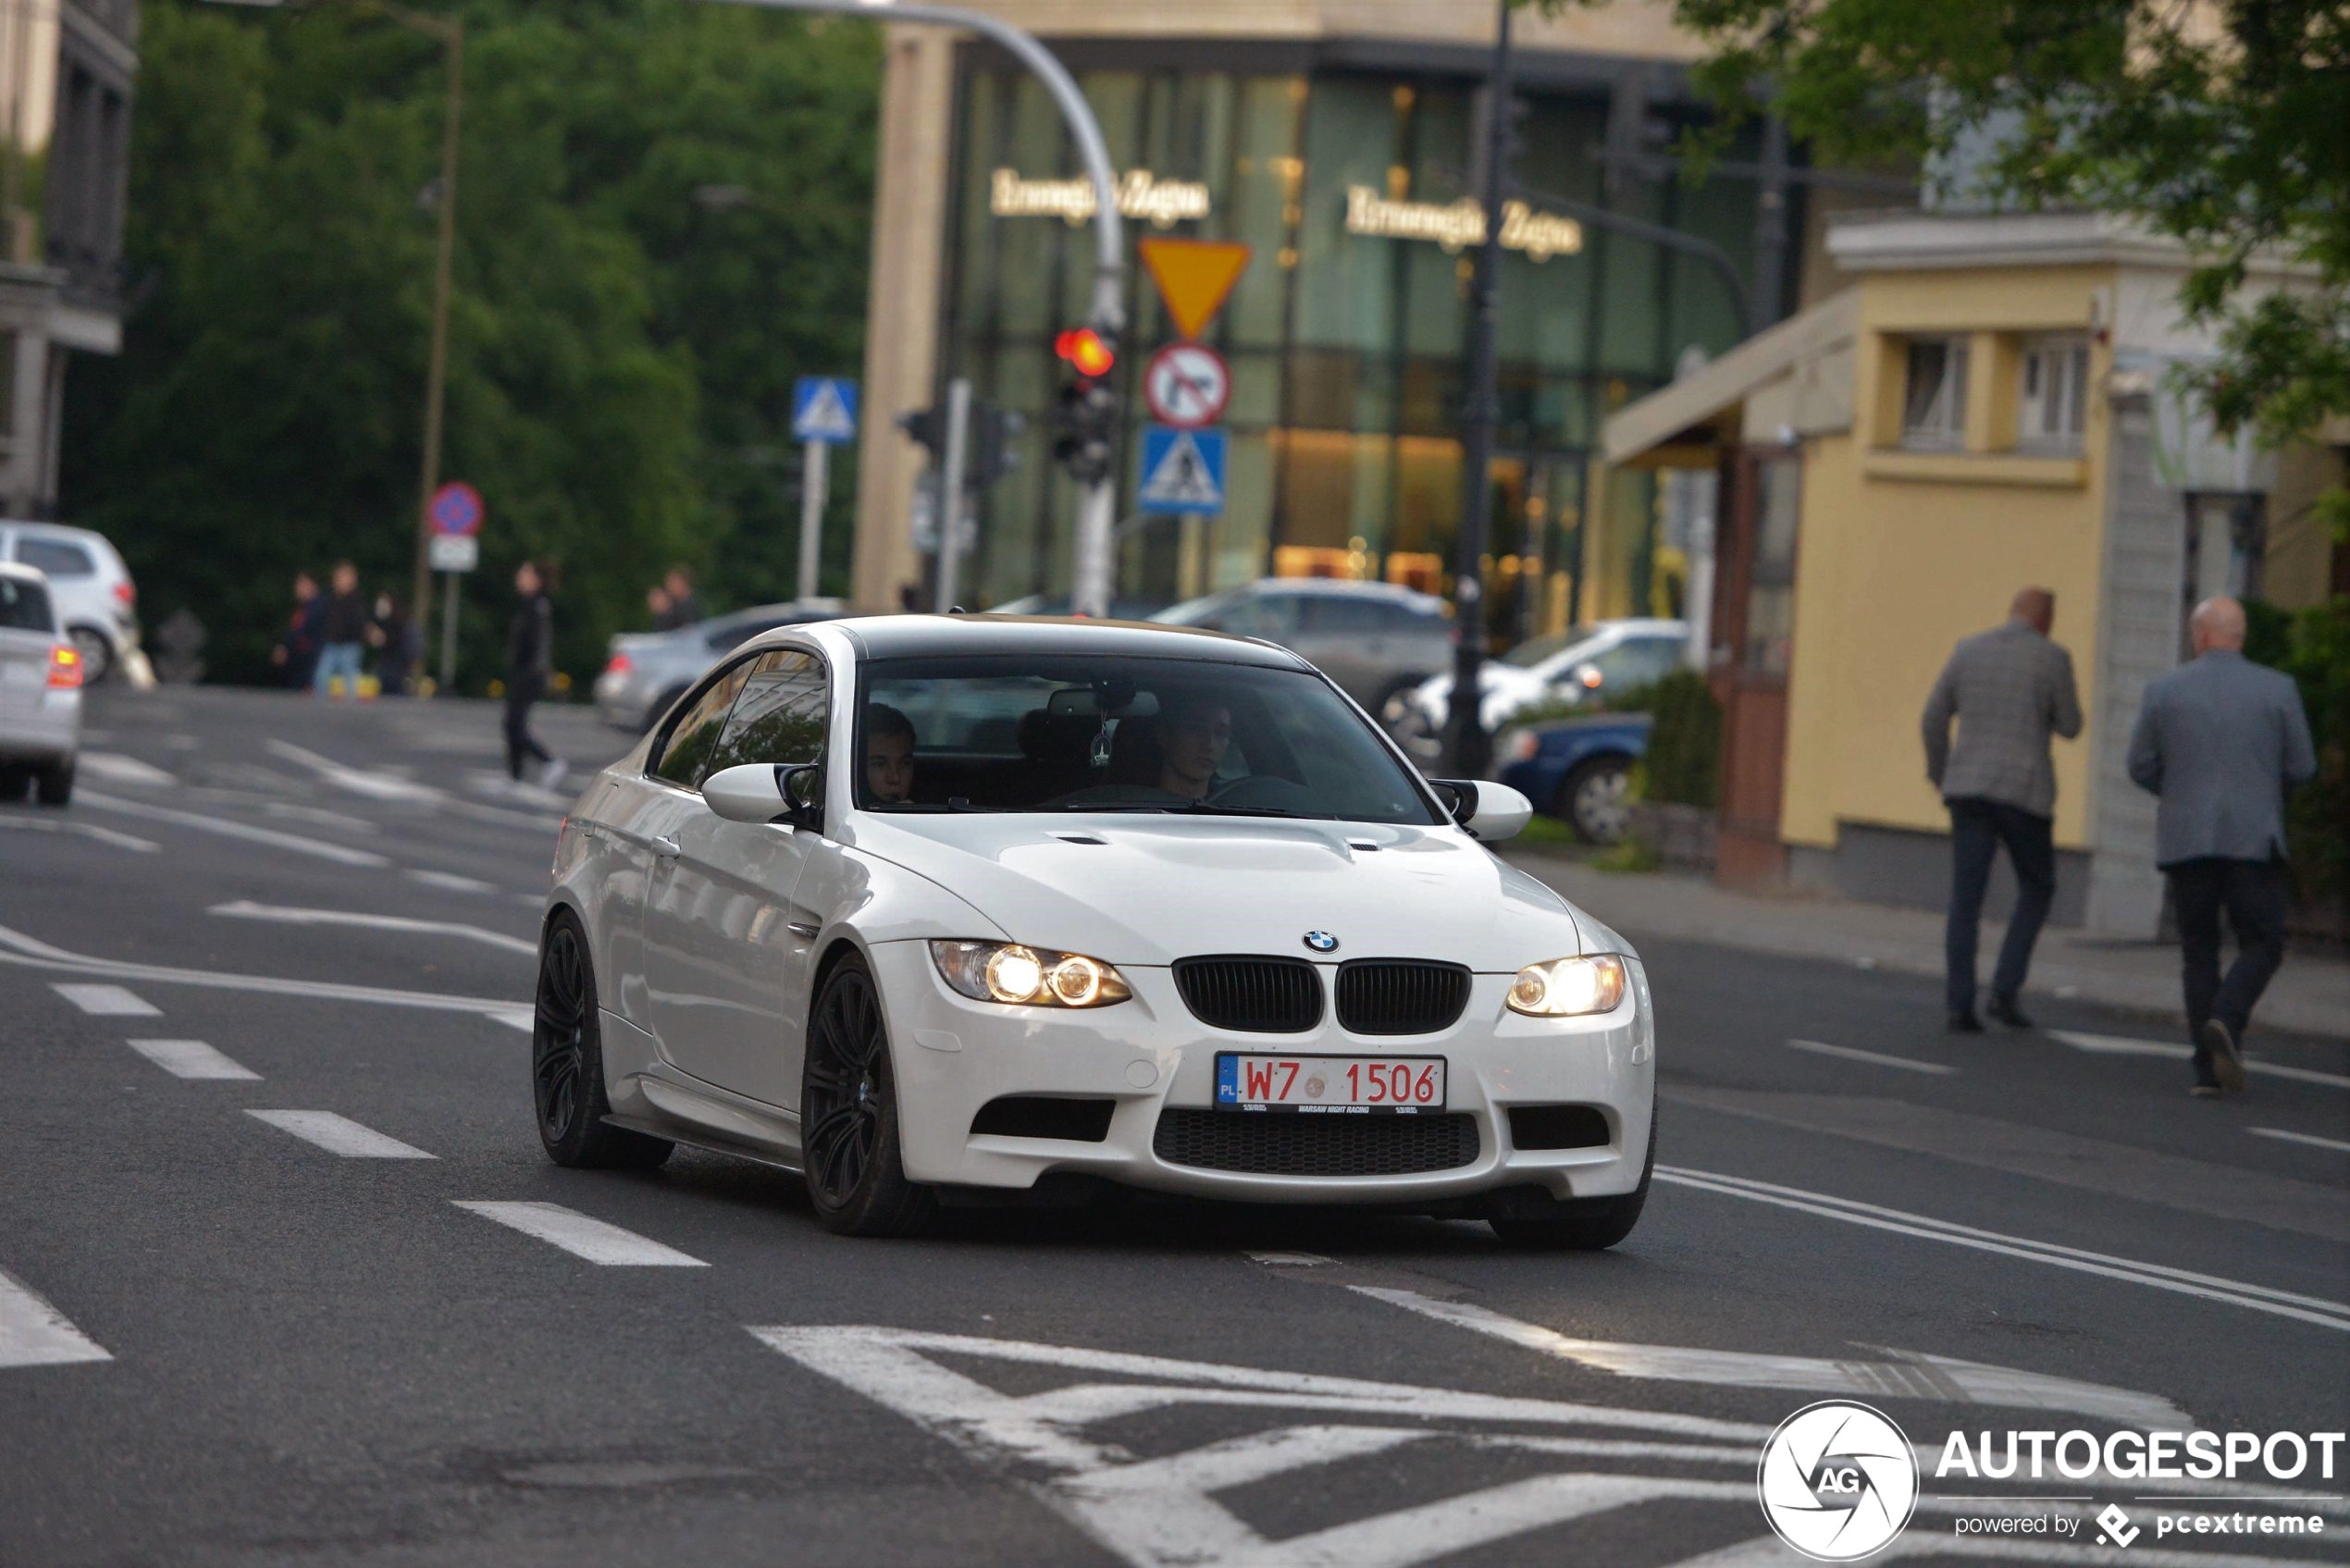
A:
<point x="1321" y="942"/>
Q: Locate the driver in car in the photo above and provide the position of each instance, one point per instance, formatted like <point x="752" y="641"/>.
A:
<point x="1193" y="736"/>
<point x="889" y="754"/>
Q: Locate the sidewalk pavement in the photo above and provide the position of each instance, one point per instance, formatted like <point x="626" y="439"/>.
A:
<point x="2309" y="995"/>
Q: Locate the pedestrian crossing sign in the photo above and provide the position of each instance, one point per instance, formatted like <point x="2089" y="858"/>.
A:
<point x="1182" y="471"/>
<point x="823" y="408"/>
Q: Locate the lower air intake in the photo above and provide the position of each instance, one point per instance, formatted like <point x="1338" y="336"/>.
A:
<point x="1271" y="1143"/>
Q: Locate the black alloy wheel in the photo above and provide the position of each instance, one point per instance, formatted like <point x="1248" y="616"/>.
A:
<point x="849" y="1114"/>
<point x="567" y="1062"/>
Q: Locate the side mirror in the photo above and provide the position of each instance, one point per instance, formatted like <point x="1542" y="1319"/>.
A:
<point x="768" y="792"/>
<point x="1490" y="811"/>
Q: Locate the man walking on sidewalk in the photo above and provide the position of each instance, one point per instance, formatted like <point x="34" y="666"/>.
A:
<point x="2221" y="740"/>
<point x="342" y="628"/>
<point x="2009" y="689"/>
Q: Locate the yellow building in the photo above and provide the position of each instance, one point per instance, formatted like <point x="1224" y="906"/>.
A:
<point x="1989" y="405"/>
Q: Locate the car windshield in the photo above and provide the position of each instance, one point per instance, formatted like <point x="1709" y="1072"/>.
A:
<point x="1078" y="733"/>
<point x="24" y="606"/>
<point x="1531" y="652"/>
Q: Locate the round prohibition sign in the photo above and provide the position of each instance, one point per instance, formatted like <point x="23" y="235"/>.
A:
<point x="1187" y="386"/>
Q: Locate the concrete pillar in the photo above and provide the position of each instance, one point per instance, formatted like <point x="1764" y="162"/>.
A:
<point x="902" y="313"/>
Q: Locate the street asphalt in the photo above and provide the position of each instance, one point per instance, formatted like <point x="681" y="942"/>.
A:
<point x="225" y="1342"/>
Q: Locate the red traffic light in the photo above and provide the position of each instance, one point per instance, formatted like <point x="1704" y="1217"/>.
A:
<point x="1086" y="351"/>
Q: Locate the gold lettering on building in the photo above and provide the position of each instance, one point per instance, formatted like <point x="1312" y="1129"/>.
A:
<point x="1458" y="225"/>
<point x="1141" y="195"/>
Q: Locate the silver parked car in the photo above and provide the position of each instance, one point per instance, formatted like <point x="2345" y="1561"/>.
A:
<point x="40" y="691"/>
<point x="1375" y="639"/>
<point x="90" y="587"/>
<point x="645" y="672"/>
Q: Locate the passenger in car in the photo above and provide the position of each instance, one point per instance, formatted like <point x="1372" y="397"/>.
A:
<point x="1194" y="734"/>
<point x="889" y="754"/>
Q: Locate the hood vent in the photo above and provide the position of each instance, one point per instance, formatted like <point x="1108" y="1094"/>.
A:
<point x="1399" y="995"/>
<point x="1251" y="994"/>
<point x="1082" y="838"/>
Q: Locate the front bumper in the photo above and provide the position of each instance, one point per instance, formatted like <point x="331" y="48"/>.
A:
<point x="621" y="701"/>
<point x="952" y="1055"/>
<point x="46" y="732"/>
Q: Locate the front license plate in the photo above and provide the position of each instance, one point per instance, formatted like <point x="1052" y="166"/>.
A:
<point x="1348" y="1085"/>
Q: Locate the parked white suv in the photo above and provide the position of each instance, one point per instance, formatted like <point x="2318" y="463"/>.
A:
<point x="40" y="691"/>
<point x="97" y="602"/>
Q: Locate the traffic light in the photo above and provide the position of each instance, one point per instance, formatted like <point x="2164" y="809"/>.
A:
<point x="1085" y="411"/>
<point x="927" y="427"/>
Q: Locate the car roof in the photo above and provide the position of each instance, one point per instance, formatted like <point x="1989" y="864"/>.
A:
<point x="57" y="530"/>
<point x="898" y="636"/>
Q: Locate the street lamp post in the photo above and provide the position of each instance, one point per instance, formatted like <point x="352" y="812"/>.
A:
<point x="1096" y="504"/>
<point x="449" y="33"/>
<point x="1467" y="745"/>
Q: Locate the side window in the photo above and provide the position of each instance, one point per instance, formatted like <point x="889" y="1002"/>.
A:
<point x="1270" y="616"/>
<point x="1637" y="662"/>
<point x="24" y="606"/>
<point x="685" y="752"/>
<point x="1331" y="613"/>
<point x="56" y="557"/>
<point x="780" y="715"/>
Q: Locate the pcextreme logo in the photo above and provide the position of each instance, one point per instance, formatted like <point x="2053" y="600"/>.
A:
<point x="1837" y="1481"/>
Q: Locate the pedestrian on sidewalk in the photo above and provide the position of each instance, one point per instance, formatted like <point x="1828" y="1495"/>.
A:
<point x="297" y="652"/>
<point x="2221" y="741"/>
<point x="400" y="643"/>
<point x="530" y="662"/>
<point x="342" y="634"/>
<point x="684" y="609"/>
<point x="2010" y="688"/>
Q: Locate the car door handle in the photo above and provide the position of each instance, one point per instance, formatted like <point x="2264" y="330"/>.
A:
<point x="667" y="849"/>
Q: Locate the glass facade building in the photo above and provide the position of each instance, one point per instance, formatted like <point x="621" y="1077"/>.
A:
<point x="1345" y="333"/>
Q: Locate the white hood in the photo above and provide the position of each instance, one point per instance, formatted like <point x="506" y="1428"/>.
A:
<point x="1159" y="888"/>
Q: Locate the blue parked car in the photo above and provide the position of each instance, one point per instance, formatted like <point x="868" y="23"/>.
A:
<point x="1577" y="769"/>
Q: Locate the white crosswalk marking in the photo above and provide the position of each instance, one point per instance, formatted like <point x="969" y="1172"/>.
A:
<point x="192" y="1058"/>
<point x="583" y="1237"/>
<point x="2309" y="1137"/>
<point x="341" y="1135"/>
<point x="1910" y="1064"/>
<point x="33" y="1333"/>
<point x="108" y="1001"/>
<point x="2122" y="1045"/>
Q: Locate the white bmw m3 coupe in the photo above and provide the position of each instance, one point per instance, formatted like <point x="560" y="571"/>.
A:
<point x="933" y="908"/>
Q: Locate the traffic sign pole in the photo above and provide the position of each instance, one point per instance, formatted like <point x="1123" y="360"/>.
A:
<point x="814" y="481"/>
<point x="449" y="630"/>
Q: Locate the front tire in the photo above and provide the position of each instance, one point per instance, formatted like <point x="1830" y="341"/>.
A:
<point x="1592" y="800"/>
<point x="53" y="786"/>
<point x="851" y="1132"/>
<point x="1529" y="1221"/>
<point x="97" y="654"/>
<point x="567" y="1063"/>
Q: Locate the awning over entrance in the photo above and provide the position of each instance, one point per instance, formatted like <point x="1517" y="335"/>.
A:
<point x="1780" y="385"/>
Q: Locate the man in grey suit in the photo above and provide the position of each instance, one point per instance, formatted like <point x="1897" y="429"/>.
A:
<point x="2221" y="740"/>
<point x="2009" y="689"/>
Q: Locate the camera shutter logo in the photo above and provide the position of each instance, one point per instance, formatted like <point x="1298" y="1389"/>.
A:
<point x="1837" y="1481"/>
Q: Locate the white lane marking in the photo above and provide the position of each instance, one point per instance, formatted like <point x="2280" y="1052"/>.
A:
<point x="245" y="909"/>
<point x="2257" y="1298"/>
<point x="546" y="821"/>
<point x="31" y="953"/>
<point x="228" y="829"/>
<point x="2119" y="1045"/>
<point x="87" y="830"/>
<point x="583" y="1237"/>
<point x="516" y="1018"/>
<point x="192" y="1058"/>
<point x="2309" y="1137"/>
<point x="1288" y="1260"/>
<point x="33" y="1333"/>
<point x="1821" y="1047"/>
<point x="1913" y="1375"/>
<point x="319" y="815"/>
<point x="341" y="1135"/>
<point x="116" y="768"/>
<point x="373" y="783"/>
<point x="451" y="881"/>
<point x="108" y="1001"/>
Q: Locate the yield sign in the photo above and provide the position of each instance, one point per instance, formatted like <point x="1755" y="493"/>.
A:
<point x="1193" y="276"/>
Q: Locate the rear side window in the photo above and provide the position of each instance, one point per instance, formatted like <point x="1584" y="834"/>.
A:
<point x="24" y="606"/>
<point x="57" y="557"/>
<point x="780" y="715"/>
<point x="691" y="741"/>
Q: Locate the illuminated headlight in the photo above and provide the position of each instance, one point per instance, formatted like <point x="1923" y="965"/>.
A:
<point x="1566" y="986"/>
<point x="1034" y="976"/>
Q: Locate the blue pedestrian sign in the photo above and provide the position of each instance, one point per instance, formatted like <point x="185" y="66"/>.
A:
<point x="823" y="408"/>
<point x="1182" y="471"/>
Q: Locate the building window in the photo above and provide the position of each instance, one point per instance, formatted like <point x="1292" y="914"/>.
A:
<point x="1934" y="399"/>
<point x="2055" y="395"/>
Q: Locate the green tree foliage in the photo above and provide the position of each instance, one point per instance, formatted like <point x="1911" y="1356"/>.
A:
<point x="2224" y="125"/>
<point x="621" y="353"/>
